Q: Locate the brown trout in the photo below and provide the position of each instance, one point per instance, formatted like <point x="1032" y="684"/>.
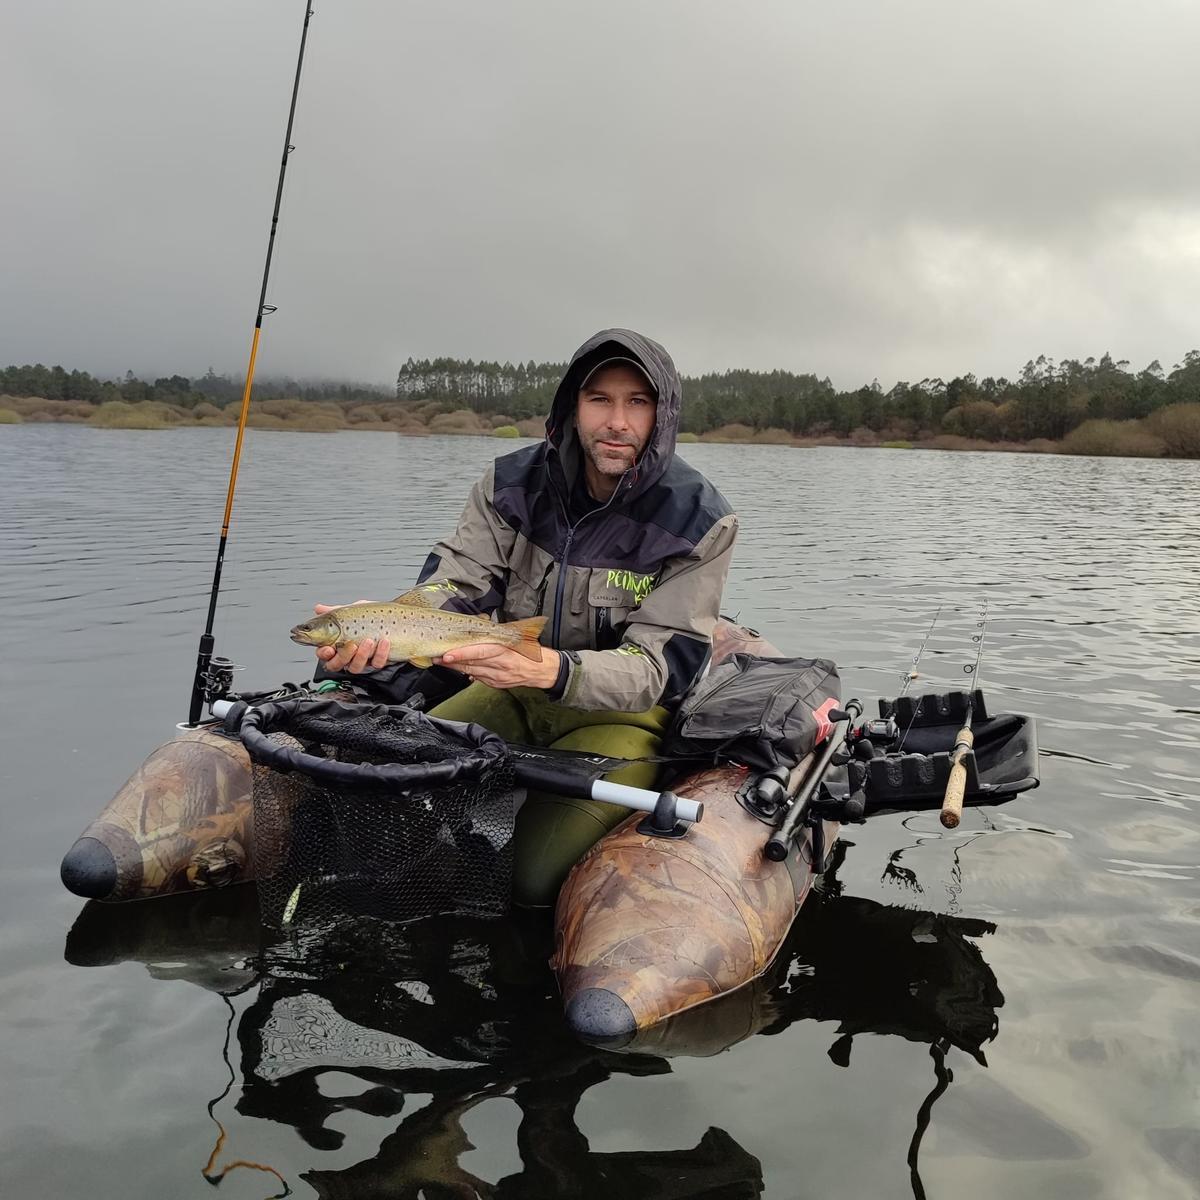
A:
<point x="417" y="631"/>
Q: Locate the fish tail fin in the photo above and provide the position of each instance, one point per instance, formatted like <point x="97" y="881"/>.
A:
<point x="528" y="631"/>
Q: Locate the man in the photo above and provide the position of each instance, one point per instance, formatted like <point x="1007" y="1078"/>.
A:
<point x="624" y="548"/>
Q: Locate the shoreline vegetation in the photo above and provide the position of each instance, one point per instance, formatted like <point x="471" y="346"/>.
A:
<point x="1095" y="407"/>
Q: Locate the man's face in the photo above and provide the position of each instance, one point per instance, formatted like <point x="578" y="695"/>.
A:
<point x="614" y="417"/>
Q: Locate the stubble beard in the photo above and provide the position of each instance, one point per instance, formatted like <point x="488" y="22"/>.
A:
<point x="608" y="463"/>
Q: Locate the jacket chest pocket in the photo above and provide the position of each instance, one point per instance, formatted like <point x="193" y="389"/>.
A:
<point x="612" y="595"/>
<point x="526" y="587"/>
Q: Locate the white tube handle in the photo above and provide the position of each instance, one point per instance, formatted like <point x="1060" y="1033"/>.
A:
<point x="643" y="800"/>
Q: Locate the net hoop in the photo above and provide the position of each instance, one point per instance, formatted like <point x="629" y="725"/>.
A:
<point x="317" y="721"/>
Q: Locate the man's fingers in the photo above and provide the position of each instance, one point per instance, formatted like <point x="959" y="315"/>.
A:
<point x="362" y="656"/>
<point x="356" y="656"/>
<point x="479" y="652"/>
<point x="343" y="658"/>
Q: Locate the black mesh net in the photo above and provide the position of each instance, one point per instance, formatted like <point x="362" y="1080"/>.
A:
<point x="377" y="812"/>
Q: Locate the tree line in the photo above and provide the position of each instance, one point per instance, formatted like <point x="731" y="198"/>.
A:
<point x="56" y="383"/>
<point x="1047" y="400"/>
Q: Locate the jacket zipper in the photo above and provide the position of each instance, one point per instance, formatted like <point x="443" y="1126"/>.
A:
<point x="560" y="586"/>
<point x="600" y="626"/>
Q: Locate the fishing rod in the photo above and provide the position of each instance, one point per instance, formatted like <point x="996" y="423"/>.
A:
<point x="798" y="798"/>
<point x="964" y="741"/>
<point x="880" y="776"/>
<point x="912" y="672"/>
<point x="204" y="684"/>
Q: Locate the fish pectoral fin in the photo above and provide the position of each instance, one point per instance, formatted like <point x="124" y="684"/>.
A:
<point x="428" y="595"/>
<point x="421" y="661"/>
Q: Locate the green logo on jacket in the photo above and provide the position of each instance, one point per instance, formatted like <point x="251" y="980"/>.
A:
<point x="639" y="585"/>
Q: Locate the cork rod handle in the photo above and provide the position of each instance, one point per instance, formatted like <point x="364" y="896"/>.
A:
<point x="956" y="786"/>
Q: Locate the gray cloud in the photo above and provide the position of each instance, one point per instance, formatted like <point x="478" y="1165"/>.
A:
<point x="862" y="189"/>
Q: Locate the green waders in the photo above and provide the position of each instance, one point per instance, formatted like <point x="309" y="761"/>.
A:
<point x="554" y="831"/>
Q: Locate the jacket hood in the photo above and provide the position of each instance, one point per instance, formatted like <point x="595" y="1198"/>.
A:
<point x="660" y="449"/>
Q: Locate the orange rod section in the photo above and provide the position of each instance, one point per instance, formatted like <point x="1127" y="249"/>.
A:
<point x="241" y="430"/>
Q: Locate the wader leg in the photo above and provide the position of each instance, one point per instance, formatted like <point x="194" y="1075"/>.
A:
<point x="554" y="831"/>
<point x="493" y="708"/>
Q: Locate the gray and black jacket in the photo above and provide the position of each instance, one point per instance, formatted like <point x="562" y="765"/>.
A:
<point x="633" y="587"/>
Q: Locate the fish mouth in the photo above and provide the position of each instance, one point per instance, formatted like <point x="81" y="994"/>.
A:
<point x="305" y="635"/>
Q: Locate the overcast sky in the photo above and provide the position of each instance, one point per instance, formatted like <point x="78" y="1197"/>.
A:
<point x="857" y="188"/>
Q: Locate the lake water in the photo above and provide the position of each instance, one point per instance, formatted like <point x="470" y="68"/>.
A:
<point x="1006" y="1010"/>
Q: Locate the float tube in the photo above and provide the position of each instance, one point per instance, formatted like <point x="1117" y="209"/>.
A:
<point x="646" y="926"/>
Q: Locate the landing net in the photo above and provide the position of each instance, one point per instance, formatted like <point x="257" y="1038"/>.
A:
<point x="377" y="811"/>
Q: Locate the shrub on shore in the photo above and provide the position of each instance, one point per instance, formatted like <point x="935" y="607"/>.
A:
<point x="729" y="433"/>
<point x="209" y="414"/>
<point x="38" y="408"/>
<point x="265" y="420"/>
<point x="117" y="414"/>
<point x="772" y="437"/>
<point x="1178" y="425"/>
<point x="951" y="441"/>
<point x="8" y="417"/>
<point x="461" y="421"/>
<point x="687" y="437"/>
<point x="1114" y="439"/>
<point x="506" y="431"/>
<point x="320" y="418"/>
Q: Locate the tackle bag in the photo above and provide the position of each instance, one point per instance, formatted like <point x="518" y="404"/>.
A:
<point x="762" y="712"/>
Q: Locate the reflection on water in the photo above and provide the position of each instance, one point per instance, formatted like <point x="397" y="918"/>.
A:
<point x="453" y="1014"/>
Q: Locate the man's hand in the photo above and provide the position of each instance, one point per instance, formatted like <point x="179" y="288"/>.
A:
<point x="500" y="667"/>
<point x="355" y="657"/>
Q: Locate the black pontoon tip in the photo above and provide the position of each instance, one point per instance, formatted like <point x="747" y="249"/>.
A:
<point x="89" y="869"/>
<point x="601" y="1018"/>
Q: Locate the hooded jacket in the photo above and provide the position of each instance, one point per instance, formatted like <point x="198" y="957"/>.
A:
<point x="632" y="588"/>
